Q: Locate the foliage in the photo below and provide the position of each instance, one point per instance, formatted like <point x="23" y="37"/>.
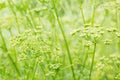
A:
<point x="59" y="40"/>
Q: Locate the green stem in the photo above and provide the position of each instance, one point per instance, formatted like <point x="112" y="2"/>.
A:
<point x="43" y="71"/>
<point x="86" y="56"/>
<point x="104" y="18"/>
<point x="82" y="13"/>
<point x="117" y="25"/>
<point x="10" y="31"/>
<point x="65" y="40"/>
<point x="14" y="64"/>
<point x="92" y="64"/>
<point x="93" y="15"/>
<point x="34" y="70"/>
<point x="4" y="43"/>
<point x="9" y="56"/>
<point x="30" y="21"/>
<point x="84" y="61"/>
<point x="116" y="16"/>
<point x="11" y="7"/>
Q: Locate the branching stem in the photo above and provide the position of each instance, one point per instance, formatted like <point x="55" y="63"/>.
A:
<point x="65" y="40"/>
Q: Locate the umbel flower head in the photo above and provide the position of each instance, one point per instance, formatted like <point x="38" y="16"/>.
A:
<point x="89" y="33"/>
<point x="34" y="47"/>
<point x="30" y="41"/>
<point x="109" y="66"/>
<point x="32" y="44"/>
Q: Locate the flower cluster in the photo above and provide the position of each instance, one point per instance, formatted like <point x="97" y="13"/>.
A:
<point x="34" y="47"/>
<point x="109" y="66"/>
<point x="90" y="33"/>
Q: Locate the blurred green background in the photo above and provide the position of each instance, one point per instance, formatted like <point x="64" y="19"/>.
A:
<point x="59" y="39"/>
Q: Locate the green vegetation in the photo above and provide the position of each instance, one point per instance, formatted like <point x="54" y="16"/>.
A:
<point x="59" y="39"/>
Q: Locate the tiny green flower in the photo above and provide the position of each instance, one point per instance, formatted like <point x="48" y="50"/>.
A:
<point x="107" y="42"/>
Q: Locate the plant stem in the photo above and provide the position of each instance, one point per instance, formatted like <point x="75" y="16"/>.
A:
<point x="82" y="13"/>
<point x="29" y="20"/>
<point x="86" y="56"/>
<point x="14" y="64"/>
<point x="93" y="15"/>
<point x="9" y="56"/>
<point x="34" y="70"/>
<point x="4" y="43"/>
<point x="92" y="64"/>
<point x="92" y="24"/>
<point x="117" y="26"/>
<point x="104" y="18"/>
<point x="116" y="16"/>
<point x="16" y="19"/>
<point x="43" y="71"/>
<point x="65" y="40"/>
<point x="84" y="61"/>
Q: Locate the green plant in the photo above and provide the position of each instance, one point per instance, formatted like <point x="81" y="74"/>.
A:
<point x="59" y="40"/>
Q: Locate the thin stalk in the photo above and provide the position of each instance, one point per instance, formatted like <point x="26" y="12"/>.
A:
<point x="43" y="71"/>
<point x="116" y="16"/>
<point x="14" y="64"/>
<point x="86" y="56"/>
<point x="27" y="72"/>
<point x="34" y="70"/>
<point x="104" y="18"/>
<point x="82" y="13"/>
<point x="9" y="56"/>
<point x="70" y="5"/>
<point x="30" y="20"/>
<point x="93" y="16"/>
<point x="65" y="40"/>
<point x="14" y="13"/>
<point x="92" y="64"/>
<point x="117" y="25"/>
<point x="92" y="24"/>
<point x="4" y="43"/>
<point x="83" y="17"/>
<point x="84" y="61"/>
<point x="10" y="31"/>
